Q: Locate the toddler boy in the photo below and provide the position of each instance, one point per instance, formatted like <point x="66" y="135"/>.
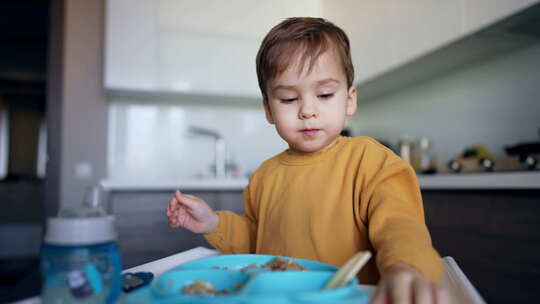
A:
<point x="326" y="197"/>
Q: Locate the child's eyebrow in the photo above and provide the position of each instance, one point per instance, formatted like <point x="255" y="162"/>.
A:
<point x="326" y="81"/>
<point x="317" y="84"/>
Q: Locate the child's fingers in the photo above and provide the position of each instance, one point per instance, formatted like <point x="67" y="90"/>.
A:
<point x="174" y="222"/>
<point x="173" y="203"/>
<point x="423" y="291"/>
<point x="441" y="295"/>
<point x="178" y="195"/>
<point x="400" y="292"/>
<point x="379" y="297"/>
<point x="172" y="212"/>
<point x="188" y="201"/>
<point x="168" y="209"/>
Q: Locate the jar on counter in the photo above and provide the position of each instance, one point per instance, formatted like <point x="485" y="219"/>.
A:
<point x="426" y="158"/>
<point x="405" y="149"/>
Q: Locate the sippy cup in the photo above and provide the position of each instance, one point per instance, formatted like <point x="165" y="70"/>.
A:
<point x="80" y="260"/>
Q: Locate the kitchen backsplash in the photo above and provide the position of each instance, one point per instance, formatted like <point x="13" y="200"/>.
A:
<point x="149" y="141"/>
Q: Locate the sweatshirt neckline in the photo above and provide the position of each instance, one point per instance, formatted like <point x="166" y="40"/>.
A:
<point x="288" y="158"/>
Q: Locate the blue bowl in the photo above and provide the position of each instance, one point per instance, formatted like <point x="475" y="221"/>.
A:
<point x="260" y="286"/>
<point x="239" y="261"/>
<point x="299" y="287"/>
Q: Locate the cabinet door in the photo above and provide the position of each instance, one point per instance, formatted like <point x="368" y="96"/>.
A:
<point x="130" y="45"/>
<point x="207" y="64"/>
<point x="202" y="48"/>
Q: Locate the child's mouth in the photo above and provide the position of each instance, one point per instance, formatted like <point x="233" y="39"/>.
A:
<point x="309" y="132"/>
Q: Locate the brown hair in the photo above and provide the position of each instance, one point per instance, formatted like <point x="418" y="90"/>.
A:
<point x="305" y="38"/>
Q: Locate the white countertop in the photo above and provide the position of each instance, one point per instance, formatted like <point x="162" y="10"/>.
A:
<point x="194" y="184"/>
<point x="492" y="181"/>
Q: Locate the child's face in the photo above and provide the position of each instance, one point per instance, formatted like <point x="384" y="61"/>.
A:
<point x="310" y="109"/>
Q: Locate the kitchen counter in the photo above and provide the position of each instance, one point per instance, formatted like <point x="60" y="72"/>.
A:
<point x="491" y="180"/>
<point x="488" y="180"/>
<point x="170" y="185"/>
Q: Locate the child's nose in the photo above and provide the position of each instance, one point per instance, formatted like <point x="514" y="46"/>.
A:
<point x="308" y="110"/>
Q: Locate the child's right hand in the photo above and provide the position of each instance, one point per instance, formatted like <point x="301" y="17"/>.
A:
<point x="192" y="213"/>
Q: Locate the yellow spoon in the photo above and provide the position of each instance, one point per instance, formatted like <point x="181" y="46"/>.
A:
<point x="348" y="271"/>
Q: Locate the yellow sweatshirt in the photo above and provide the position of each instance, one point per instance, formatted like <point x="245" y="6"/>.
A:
<point x="329" y="205"/>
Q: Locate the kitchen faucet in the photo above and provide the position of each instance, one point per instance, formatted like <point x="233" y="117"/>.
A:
<point x="220" y="148"/>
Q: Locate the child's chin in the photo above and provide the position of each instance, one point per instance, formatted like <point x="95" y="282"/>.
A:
<point x="307" y="149"/>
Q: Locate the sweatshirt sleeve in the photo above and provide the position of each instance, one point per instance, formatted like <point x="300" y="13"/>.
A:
<point x="235" y="233"/>
<point x="396" y="225"/>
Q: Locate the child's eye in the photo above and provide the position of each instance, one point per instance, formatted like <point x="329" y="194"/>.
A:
<point x="288" y="100"/>
<point x="326" y="96"/>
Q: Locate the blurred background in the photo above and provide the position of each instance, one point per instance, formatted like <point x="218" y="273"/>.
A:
<point x="143" y="97"/>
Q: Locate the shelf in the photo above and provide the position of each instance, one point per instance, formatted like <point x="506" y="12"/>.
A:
<point x="492" y="181"/>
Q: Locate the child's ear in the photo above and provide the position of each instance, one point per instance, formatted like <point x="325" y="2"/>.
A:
<point x="268" y="112"/>
<point x="351" y="101"/>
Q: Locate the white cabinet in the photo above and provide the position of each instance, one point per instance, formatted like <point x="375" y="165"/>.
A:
<point x="389" y="33"/>
<point x="205" y="64"/>
<point x="130" y="45"/>
<point x="208" y="47"/>
<point x="193" y="48"/>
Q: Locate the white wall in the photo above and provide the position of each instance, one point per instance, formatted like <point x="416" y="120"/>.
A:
<point x="494" y="103"/>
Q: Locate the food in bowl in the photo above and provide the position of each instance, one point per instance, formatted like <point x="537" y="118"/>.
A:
<point x="201" y="287"/>
<point x="204" y="288"/>
<point x="278" y="264"/>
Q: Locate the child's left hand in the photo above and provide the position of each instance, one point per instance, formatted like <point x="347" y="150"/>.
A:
<point x="402" y="284"/>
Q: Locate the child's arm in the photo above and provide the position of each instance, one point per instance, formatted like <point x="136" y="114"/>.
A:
<point x="395" y="218"/>
<point x="410" y="267"/>
<point x="401" y="283"/>
<point x="236" y="233"/>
